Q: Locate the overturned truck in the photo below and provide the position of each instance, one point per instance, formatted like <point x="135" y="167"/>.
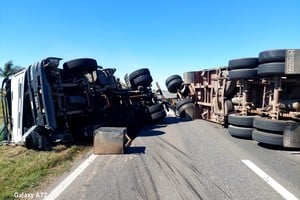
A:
<point x="46" y="103"/>
<point x="256" y="97"/>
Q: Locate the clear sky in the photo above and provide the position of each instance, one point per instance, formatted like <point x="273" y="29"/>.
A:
<point x="166" y="36"/>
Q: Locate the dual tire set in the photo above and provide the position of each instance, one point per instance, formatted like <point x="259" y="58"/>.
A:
<point x="268" y="63"/>
<point x="260" y="129"/>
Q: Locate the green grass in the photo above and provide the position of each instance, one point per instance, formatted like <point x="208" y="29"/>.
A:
<point x="23" y="170"/>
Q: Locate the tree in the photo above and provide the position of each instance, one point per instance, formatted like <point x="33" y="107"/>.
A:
<point x="9" y="69"/>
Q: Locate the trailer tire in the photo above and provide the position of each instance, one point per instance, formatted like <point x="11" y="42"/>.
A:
<point x="143" y="80"/>
<point x="158" y="116"/>
<point x="155" y="108"/>
<point x="267" y="138"/>
<point x="269" y="124"/>
<point x="243" y="63"/>
<point x="137" y="73"/>
<point x="174" y="85"/>
<point x="242" y="74"/>
<point x="183" y="102"/>
<point x="173" y="77"/>
<point x="241" y="120"/>
<point x="271" y="69"/>
<point x="229" y="88"/>
<point x="37" y="141"/>
<point x="228" y="107"/>
<point x="277" y="55"/>
<point x="243" y="132"/>
<point x="82" y="64"/>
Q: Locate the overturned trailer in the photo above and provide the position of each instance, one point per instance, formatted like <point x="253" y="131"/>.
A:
<point x="255" y="97"/>
<point x="46" y="104"/>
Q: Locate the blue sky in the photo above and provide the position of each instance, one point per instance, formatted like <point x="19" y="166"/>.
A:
<point x="166" y="36"/>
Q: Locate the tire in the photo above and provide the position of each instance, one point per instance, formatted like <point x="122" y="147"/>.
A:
<point x="188" y="77"/>
<point x="241" y="120"/>
<point x="82" y="64"/>
<point x="155" y="108"/>
<point x="139" y="72"/>
<point x="228" y="107"/>
<point x="143" y="80"/>
<point x="174" y="85"/>
<point x="242" y="74"/>
<point x="183" y="102"/>
<point x="277" y="55"/>
<point x="243" y="63"/>
<point x="229" y="88"/>
<point x="267" y="138"/>
<point x="269" y="124"/>
<point x="158" y="116"/>
<point x="243" y="132"/>
<point x="271" y="69"/>
<point x="173" y="77"/>
<point x="37" y="141"/>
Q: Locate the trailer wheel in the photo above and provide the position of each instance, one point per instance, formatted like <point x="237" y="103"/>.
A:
<point x="82" y="64"/>
<point x="228" y="107"/>
<point x="243" y="63"/>
<point x="229" y="88"/>
<point x="37" y="141"/>
<point x="174" y="85"/>
<point x="271" y="69"/>
<point x="186" y="108"/>
<point x="171" y="78"/>
<point x="269" y="124"/>
<point x="155" y="108"/>
<point x="158" y="116"/>
<point x="243" y="132"/>
<point x="242" y="74"/>
<point x="241" y="120"/>
<point x="267" y="138"/>
<point x="139" y="72"/>
<point x="277" y="55"/>
<point x="143" y="80"/>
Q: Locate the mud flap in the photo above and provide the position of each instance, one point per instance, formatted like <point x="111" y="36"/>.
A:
<point x="109" y="140"/>
<point x="291" y="135"/>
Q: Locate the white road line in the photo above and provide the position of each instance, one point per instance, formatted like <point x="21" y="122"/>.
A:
<point x="276" y="186"/>
<point x="66" y="182"/>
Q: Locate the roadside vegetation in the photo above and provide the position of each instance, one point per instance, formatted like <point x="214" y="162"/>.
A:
<point x="29" y="171"/>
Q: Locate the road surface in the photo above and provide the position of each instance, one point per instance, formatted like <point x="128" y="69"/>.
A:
<point x="189" y="160"/>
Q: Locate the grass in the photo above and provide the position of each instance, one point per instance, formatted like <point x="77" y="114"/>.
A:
<point x="23" y="170"/>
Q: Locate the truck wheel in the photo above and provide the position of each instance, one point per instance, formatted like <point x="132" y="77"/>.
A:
<point x="174" y="85"/>
<point x="229" y="88"/>
<point x="82" y="64"/>
<point x="241" y="120"/>
<point x="271" y="69"/>
<point x="139" y="72"/>
<point x="242" y="74"/>
<point x="158" y="116"/>
<point x="37" y="141"/>
<point x="243" y="132"/>
<point x="228" y="107"/>
<point x="171" y="78"/>
<point x="277" y="55"/>
<point x="267" y="138"/>
<point x="186" y="108"/>
<point x="269" y="124"/>
<point x="155" y="108"/>
<point x="243" y="63"/>
<point x="143" y="80"/>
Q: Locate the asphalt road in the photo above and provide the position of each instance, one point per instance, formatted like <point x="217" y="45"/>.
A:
<point x="187" y="160"/>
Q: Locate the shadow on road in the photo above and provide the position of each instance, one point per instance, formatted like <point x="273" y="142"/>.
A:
<point x="277" y="148"/>
<point x="135" y="150"/>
